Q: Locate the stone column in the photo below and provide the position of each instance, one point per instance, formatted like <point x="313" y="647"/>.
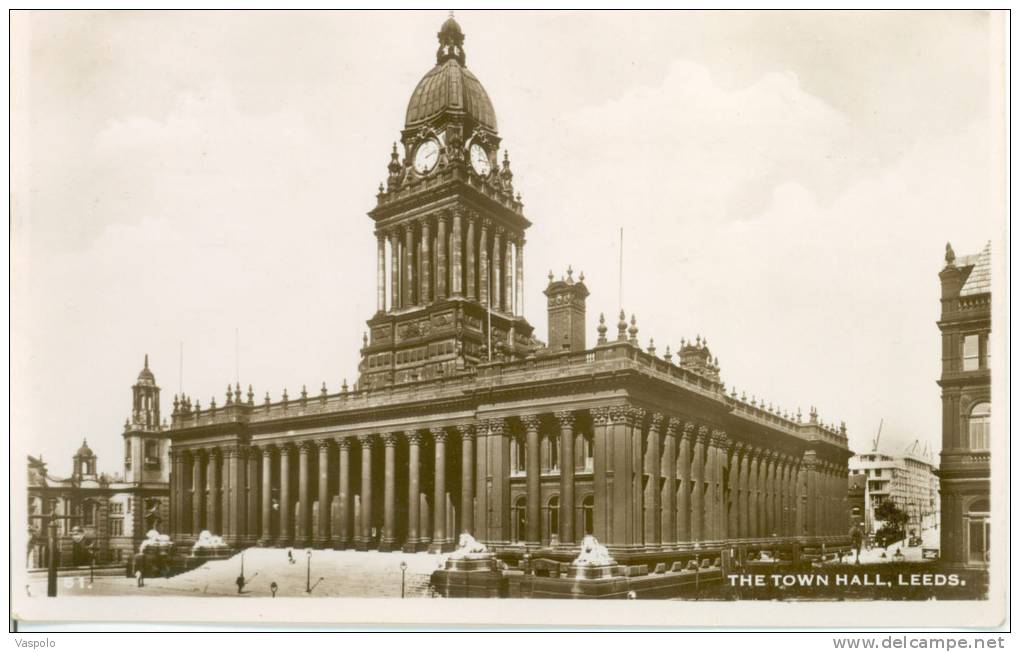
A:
<point x="684" y="485"/>
<point x="498" y="480"/>
<point x="380" y="273"/>
<point x="225" y="508"/>
<point x="810" y="464"/>
<point x="667" y="498"/>
<point x="457" y="276"/>
<point x="653" y="469"/>
<point x="602" y="482"/>
<point x="304" y="530"/>
<point x="754" y="454"/>
<point x="325" y="500"/>
<point x="197" y="493"/>
<point x="508" y="286"/>
<point x="770" y="487"/>
<point x="534" y="479"/>
<point x="472" y="281"/>
<point x="566" y="420"/>
<point x="483" y="264"/>
<point x="409" y="248"/>
<point x="439" y="495"/>
<point x="497" y="269"/>
<point x="413" y="490"/>
<point x="394" y="270"/>
<point x="634" y="430"/>
<point x="519" y="277"/>
<point x="342" y="532"/>
<point x="364" y="538"/>
<point x="698" y="491"/>
<point x="426" y="262"/>
<point x="215" y="502"/>
<point x="238" y="511"/>
<point x="441" y="262"/>
<point x="733" y="498"/>
<point x="745" y="489"/>
<point x="177" y="486"/>
<point x="252" y="493"/>
<point x="787" y="521"/>
<point x="467" y="465"/>
<point x="267" y="494"/>
<point x="389" y="539"/>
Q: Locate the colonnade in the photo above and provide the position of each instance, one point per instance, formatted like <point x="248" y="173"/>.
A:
<point x="450" y="253"/>
<point x="657" y="481"/>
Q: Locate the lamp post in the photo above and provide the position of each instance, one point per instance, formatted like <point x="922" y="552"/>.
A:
<point x="308" y="571"/>
<point x="403" y="570"/>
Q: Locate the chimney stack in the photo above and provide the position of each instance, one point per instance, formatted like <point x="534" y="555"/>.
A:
<point x="566" y="303"/>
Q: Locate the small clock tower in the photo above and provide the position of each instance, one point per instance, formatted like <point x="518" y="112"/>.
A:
<point x="449" y="236"/>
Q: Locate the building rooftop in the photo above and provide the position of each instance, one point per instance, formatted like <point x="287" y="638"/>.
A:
<point x="979" y="281"/>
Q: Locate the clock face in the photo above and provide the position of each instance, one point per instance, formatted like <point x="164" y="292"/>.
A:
<point x="426" y="156"/>
<point x="480" y="159"/>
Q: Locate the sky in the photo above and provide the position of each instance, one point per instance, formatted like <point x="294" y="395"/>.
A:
<point x="786" y="181"/>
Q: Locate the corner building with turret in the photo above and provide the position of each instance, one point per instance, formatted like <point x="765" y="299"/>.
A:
<point x="462" y="420"/>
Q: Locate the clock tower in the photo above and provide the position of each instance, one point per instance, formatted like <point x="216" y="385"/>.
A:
<point x="450" y="236"/>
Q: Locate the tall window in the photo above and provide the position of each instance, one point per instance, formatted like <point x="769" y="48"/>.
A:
<point x="589" y="452"/>
<point x="978" y="532"/>
<point x="554" y="516"/>
<point x="152" y="454"/>
<point x="116" y="527"/>
<point x="588" y="514"/>
<point x="520" y="519"/>
<point x="971" y="352"/>
<point x="518" y="461"/>
<point x="978" y="426"/>
<point x="554" y="452"/>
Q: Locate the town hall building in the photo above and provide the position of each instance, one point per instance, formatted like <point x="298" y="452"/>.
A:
<point x="462" y="420"/>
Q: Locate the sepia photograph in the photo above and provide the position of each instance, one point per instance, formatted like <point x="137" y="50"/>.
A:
<point x="465" y="318"/>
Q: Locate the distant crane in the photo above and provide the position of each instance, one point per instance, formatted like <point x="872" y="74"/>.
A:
<point x="874" y="442"/>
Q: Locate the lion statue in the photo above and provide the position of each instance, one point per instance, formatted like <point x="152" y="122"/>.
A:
<point x="153" y="539"/>
<point x="467" y="545"/>
<point x="207" y="539"/>
<point x="593" y="553"/>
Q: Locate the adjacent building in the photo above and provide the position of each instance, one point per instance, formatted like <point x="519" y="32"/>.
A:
<point x="908" y="480"/>
<point x="462" y="420"/>
<point x="965" y="323"/>
<point x="101" y="518"/>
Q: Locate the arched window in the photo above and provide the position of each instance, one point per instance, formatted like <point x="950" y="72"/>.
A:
<point x="554" y="517"/>
<point x="520" y="519"/>
<point x="588" y="514"/>
<point x="979" y="425"/>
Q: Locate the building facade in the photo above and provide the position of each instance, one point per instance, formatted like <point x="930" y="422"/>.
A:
<point x="102" y="518"/>
<point x="463" y="421"/>
<point x="965" y="468"/>
<point x="907" y="480"/>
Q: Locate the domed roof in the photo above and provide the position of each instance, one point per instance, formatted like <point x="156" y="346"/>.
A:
<point x="450" y="86"/>
<point x="84" y="450"/>
<point x="145" y="374"/>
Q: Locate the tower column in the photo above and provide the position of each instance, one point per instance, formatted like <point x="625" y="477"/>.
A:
<point x="667" y="497"/>
<point x="341" y="527"/>
<point x="508" y="283"/>
<point x="439" y="496"/>
<point x="409" y="249"/>
<point x="267" y="493"/>
<point x="364" y="539"/>
<point x="394" y="270"/>
<point x="413" y="489"/>
<point x="380" y="272"/>
<point x="483" y="264"/>
<point x="472" y="291"/>
<point x="457" y="276"/>
<point x="441" y="262"/>
<point x="389" y="540"/>
<point x="497" y="269"/>
<point x="467" y="464"/>
<point x="426" y="263"/>
<point x="304" y="533"/>
<point x="533" y="469"/>
<point x="322" y="536"/>
<point x="684" y="485"/>
<point x="567" y="421"/>
<point x="519" y="277"/>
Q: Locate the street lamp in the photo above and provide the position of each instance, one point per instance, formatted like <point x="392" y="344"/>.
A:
<point x="403" y="570"/>
<point x="308" y="572"/>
